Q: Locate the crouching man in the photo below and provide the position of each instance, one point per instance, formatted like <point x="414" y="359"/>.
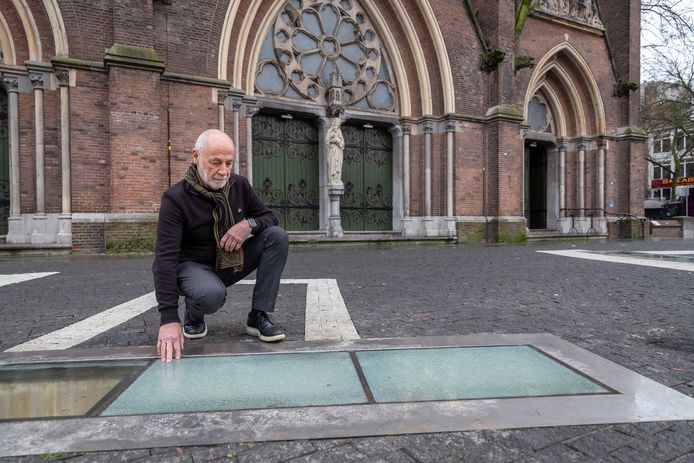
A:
<point x="213" y="231"/>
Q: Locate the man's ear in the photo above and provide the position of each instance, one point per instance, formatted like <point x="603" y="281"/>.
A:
<point x="196" y="156"/>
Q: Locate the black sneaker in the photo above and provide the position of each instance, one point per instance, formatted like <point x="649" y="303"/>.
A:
<point x="195" y="330"/>
<point x="260" y="326"/>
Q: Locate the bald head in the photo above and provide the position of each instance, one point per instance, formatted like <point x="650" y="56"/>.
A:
<point x="214" y="137"/>
<point x="214" y="156"/>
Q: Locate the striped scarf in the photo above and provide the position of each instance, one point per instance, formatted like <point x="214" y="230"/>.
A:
<point x="223" y="220"/>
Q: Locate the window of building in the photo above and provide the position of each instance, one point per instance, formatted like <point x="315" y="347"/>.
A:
<point x="662" y="194"/>
<point x="657" y="172"/>
<point x="310" y="42"/>
<point x="539" y="116"/>
<point x="665" y="146"/>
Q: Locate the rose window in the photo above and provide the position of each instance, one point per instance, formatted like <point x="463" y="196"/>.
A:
<point x="539" y="116"/>
<point x="311" y="40"/>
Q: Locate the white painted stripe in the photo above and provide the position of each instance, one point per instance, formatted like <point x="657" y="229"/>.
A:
<point x="19" y="277"/>
<point x="326" y="313"/>
<point x="582" y="254"/>
<point x="326" y="318"/>
<point x="86" y="329"/>
<point x="668" y="253"/>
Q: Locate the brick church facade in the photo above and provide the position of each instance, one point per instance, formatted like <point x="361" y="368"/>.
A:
<point x="468" y="119"/>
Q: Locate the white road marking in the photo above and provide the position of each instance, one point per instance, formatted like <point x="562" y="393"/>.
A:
<point x="19" y="277"/>
<point x="86" y="329"/>
<point x="668" y="253"/>
<point x="326" y="313"/>
<point x="583" y="254"/>
<point x="326" y="318"/>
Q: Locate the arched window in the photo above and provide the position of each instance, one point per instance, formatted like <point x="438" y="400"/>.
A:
<point x="311" y="40"/>
<point x="539" y="115"/>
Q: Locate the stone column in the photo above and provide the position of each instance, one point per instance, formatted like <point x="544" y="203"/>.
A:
<point x="37" y="85"/>
<point x="15" y="232"/>
<point x="221" y="99"/>
<point x="428" y="128"/>
<point x="250" y="112"/>
<point x="65" y="217"/>
<point x="562" y="179"/>
<point x="398" y="211"/>
<point x="581" y="193"/>
<point x="450" y="129"/>
<point x="601" y="179"/>
<point x="39" y="223"/>
<point x="236" y="105"/>
<point x="406" y="129"/>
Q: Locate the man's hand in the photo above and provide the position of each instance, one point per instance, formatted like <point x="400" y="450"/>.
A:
<point x="170" y="341"/>
<point x="233" y="239"/>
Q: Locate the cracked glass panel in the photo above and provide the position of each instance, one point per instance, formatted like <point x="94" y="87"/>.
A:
<point x="242" y="382"/>
<point x="469" y="373"/>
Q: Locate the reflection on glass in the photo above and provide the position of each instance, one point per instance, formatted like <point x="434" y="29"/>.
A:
<point x="354" y="52"/>
<point x="381" y="96"/>
<point x="330" y="17"/>
<point x="348" y="70"/>
<point x="303" y="42"/>
<point x="346" y="32"/>
<point x="310" y="21"/>
<point x="269" y="79"/>
<point x="311" y="63"/>
<point x="65" y="389"/>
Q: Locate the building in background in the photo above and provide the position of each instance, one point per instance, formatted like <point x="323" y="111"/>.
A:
<point x="670" y="150"/>
<point x="465" y="119"/>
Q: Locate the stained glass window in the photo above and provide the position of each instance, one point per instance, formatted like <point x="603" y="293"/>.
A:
<point x="311" y="40"/>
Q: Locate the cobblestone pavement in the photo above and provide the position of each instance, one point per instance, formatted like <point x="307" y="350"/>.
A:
<point x="639" y="317"/>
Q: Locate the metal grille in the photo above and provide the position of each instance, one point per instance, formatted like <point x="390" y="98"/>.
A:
<point x="285" y="169"/>
<point x="368" y="179"/>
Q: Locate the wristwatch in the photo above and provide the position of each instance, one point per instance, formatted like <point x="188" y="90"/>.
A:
<point x="252" y="223"/>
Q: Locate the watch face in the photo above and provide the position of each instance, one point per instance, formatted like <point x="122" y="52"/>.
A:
<point x="253" y="223"/>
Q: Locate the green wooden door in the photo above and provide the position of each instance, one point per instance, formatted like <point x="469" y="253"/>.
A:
<point x="285" y="169"/>
<point x="4" y="164"/>
<point x="367" y="174"/>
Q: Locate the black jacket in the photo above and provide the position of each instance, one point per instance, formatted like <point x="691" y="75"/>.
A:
<point x="185" y="232"/>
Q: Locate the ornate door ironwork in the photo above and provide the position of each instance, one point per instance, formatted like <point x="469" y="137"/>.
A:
<point x="367" y="174"/>
<point x="285" y="169"/>
<point x="4" y="164"/>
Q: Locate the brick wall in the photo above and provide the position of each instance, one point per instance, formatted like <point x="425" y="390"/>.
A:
<point x="14" y="23"/>
<point x="469" y="173"/>
<point x="138" y="150"/>
<point x="130" y="238"/>
<point x="89" y="28"/>
<point x="90" y="143"/>
<point x="88" y="238"/>
<point x="121" y="117"/>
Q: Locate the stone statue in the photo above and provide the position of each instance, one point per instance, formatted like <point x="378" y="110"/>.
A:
<point x="582" y="11"/>
<point x="336" y="145"/>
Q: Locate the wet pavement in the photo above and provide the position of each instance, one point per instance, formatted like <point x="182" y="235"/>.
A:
<point x="639" y="317"/>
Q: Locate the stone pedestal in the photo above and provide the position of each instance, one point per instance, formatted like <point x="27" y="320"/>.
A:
<point x="39" y="230"/>
<point x="15" y="230"/>
<point x="430" y="226"/>
<point x="64" y="229"/>
<point x="335" y="191"/>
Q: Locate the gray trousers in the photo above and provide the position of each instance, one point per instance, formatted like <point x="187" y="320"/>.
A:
<point x="205" y="289"/>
